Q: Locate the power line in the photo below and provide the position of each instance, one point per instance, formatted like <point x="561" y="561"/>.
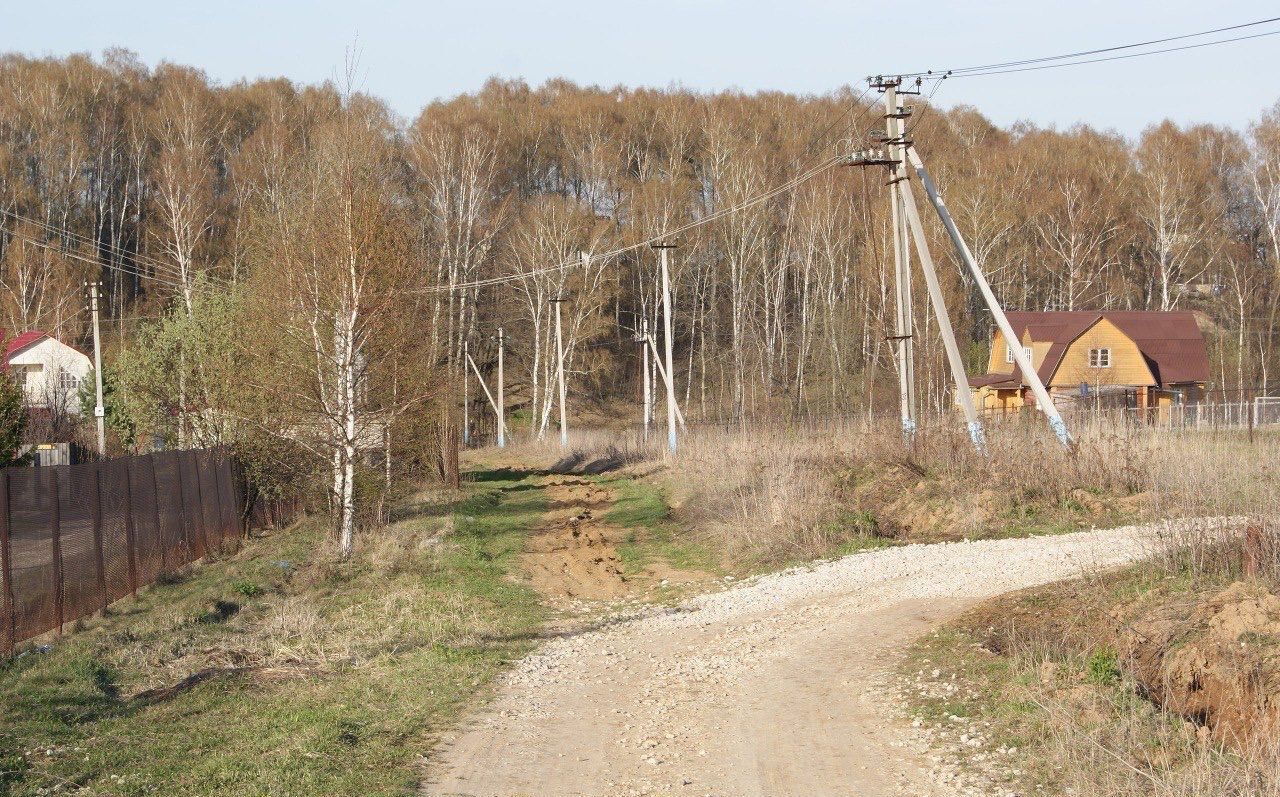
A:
<point x="1009" y="66"/>
<point x="710" y="217"/>
<point x="573" y="262"/>
<point x="92" y="261"/>
<point x="1123" y="57"/>
<point x="160" y="266"/>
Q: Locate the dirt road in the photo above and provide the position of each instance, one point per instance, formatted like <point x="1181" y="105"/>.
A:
<point x="772" y="688"/>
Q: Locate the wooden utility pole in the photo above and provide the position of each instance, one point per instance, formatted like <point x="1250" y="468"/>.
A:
<point x="99" y="409"/>
<point x="667" y="343"/>
<point x="564" y="422"/>
<point x="502" y="411"/>
<point x="904" y="313"/>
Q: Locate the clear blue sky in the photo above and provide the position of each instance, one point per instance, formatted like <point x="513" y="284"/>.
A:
<point x="413" y="52"/>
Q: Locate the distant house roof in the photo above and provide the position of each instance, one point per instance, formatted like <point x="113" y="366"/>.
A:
<point x="1170" y="341"/>
<point x="19" y="342"/>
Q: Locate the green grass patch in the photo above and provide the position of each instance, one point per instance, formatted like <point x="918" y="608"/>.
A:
<point x="641" y="507"/>
<point x="365" y="661"/>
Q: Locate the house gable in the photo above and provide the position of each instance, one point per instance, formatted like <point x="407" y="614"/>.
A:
<point x="1128" y="365"/>
<point x="998" y="364"/>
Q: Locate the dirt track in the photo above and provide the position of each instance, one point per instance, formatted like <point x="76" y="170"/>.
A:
<point x="771" y="688"/>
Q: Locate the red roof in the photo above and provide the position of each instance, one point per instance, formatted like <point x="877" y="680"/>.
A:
<point x="1170" y="341"/>
<point x="20" y="342"/>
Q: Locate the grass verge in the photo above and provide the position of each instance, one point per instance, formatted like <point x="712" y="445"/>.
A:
<point x="281" y="671"/>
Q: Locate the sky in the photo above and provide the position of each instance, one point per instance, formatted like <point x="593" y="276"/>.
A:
<point x="411" y="53"/>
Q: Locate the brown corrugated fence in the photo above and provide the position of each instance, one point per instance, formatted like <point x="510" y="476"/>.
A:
<point x="74" y="538"/>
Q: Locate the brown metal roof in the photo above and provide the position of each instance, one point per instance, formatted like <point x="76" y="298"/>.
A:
<point x="1170" y="341"/>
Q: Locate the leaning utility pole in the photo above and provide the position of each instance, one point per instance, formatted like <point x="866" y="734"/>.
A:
<point x="1043" y="399"/>
<point x="667" y="381"/>
<point x="564" y="423"/>
<point x="497" y="410"/>
<point x="662" y="248"/>
<point x="99" y="409"/>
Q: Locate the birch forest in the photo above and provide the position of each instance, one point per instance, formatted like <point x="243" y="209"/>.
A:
<point x="296" y="271"/>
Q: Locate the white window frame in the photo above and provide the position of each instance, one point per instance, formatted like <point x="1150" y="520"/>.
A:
<point x="1008" y="353"/>
<point x="68" y="381"/>
<point x="1100" y="357"/>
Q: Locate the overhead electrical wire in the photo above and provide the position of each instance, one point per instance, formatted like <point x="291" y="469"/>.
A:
<point x="168" y="269"/>
<point x="1046" y="62"/>
<point x="678" y="231"/>
<point x="73" y="255"/>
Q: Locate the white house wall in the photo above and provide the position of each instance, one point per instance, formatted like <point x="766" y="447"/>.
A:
<point x="41" y="367"/>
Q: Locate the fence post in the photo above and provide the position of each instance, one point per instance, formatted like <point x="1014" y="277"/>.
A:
<point x="200" y="524"/>
<point x="6" y="569"/>
<point x="155" y="493"/>
<point x="99" y="558"/>
<point x="130" y="543"/>
<point x="221" y="470"/>
<point x="55" y="524"/>
<point x="183" y="515"/>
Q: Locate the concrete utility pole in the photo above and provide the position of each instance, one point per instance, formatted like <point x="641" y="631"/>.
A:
<point x="502" y="407"/>
<point x="963" y="394"/>
<point x="1043" y="400"/>
<point x="645" y="343"/>
<point x="666" y="380"/>
<point x="667" y="344"/>
<point x="904" y="314"/>
<point x="894" y="156"/>
<point x="564" y="423"/>
<point x="99" y="409"/>
<point x="466" y="402"/>
<point x="494" y="404"/>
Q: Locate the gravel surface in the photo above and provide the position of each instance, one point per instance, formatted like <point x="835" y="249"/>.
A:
<point x="776" y="686"/>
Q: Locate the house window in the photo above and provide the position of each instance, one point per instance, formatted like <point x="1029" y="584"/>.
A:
<point x="1099" y="358"/>
<point x="68" y="381"/>
<point x="1008" y="353"/>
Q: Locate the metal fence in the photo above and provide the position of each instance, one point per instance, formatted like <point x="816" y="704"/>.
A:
<point x="74" y="538"/>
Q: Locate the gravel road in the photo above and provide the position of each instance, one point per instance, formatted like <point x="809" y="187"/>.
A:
<point x="770" y="688"/>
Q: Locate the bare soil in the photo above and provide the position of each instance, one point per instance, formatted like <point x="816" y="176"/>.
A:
<point x="572" y="558"/>
<point x="1211" y="655"/>
<point x="574" y="555"/>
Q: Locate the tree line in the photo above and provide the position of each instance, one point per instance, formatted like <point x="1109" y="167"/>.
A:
<point x="295" y="271"/>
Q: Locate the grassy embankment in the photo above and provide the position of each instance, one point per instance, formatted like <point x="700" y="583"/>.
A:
<point x="781" y="495"/>
<point x="280" y="670"/>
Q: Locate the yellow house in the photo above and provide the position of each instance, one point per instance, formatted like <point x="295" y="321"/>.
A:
<point x="1126" y="358"/>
